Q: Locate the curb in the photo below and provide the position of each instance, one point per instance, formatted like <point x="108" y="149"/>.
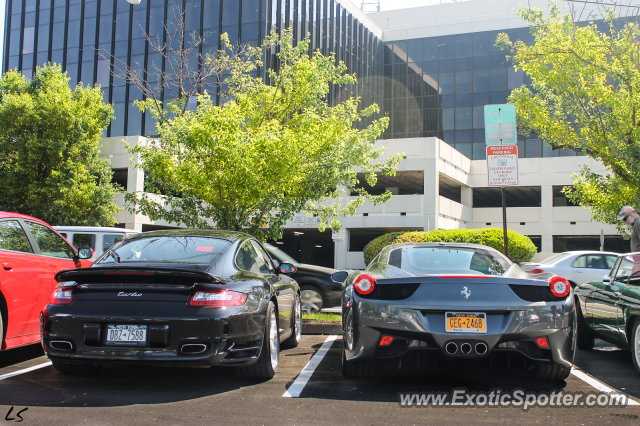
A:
<point x="309" y="329"/>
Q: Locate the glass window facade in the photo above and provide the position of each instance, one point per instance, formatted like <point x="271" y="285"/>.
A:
<point x="438" y="86"/>
<point x="434" y="86"/>
<point x="71" y="32"/>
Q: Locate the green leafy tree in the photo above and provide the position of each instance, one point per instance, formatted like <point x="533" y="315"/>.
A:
<point x="49" y="150"/>
<point x="267" y="152"/>
<point x="585" y="97"/>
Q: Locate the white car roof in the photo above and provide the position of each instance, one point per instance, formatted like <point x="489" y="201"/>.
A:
<point x="591" y="252"/>
<point x="94" y="229"/>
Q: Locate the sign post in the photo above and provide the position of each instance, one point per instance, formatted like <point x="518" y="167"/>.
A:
<point x="502" y="153"/>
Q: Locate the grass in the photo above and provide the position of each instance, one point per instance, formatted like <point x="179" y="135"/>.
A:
<point x="321" y="316"/>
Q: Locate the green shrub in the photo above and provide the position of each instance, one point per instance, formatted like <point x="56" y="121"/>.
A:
<point x="521" y="249"/>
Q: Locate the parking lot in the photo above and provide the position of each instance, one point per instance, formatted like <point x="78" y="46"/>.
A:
<point x="141" y="395"/>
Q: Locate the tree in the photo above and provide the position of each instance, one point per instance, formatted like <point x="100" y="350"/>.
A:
<point x="584" y="96"/>
<point x="267" y="152"/>
<point x="49" y="150"/>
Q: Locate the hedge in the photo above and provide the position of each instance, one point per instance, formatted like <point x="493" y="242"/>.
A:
<point x="521" y="249"/>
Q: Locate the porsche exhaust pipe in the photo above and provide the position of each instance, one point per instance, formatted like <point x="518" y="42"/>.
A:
<point x="193" y="348"/>
<point x="61" y="345"/>
<point x="481" y="348"/>
<point x="451" y="348"/>
<point x="465" y="348"/>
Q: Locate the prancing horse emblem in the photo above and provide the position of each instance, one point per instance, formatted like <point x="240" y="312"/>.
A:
<point x="465" y="292"/>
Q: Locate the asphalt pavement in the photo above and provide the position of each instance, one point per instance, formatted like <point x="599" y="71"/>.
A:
<point x="133" y="395"/>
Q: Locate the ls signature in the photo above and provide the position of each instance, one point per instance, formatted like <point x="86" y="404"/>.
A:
<point x="18" y="414"/>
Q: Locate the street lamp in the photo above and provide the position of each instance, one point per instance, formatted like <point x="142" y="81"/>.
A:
<point x="133" y="1"/>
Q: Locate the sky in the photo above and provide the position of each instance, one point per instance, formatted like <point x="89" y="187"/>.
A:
<point x="384" y="5"/>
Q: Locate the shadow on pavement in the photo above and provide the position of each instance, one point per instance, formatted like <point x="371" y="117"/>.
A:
<point x="118" y="385"/>
<point x="610" y="365"/>
<point x="328" y="382"/>
<point x="18" y="355"/>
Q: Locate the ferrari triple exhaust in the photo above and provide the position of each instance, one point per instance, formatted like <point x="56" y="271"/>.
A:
<point x="466" y="348"/>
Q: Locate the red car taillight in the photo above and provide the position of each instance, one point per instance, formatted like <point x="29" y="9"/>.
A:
<point x="63" y="295"/>
<point x="217" y="298"/>
<point x="536" y="271"/>
<point x="364" y="284"/>
<point x="559" y="286"/>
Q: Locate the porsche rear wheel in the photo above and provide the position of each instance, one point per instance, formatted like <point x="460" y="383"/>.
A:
<point x="584" y="338"/>
<point x="296" y="325"/>
<point x="267" y="364"/>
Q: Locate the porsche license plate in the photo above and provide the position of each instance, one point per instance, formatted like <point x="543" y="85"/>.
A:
<point x="130" y="335"/>
<point x="466" y="322"/>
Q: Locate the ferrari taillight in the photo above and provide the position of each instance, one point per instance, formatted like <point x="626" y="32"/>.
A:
<point x="364" y="284"/>
<point x="559" y="286"/>
<point x="217" y="298"/>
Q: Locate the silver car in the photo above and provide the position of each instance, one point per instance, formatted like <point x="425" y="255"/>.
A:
<point x="97" y="238"/>
<point x="421" y="305"/>
<point x="576" y="266"/>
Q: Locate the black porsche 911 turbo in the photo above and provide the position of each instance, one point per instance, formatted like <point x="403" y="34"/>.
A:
<point x="183" y="297"/>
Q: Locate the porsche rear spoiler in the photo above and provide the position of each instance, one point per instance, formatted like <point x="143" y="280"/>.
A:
<point x="137" y="275"/>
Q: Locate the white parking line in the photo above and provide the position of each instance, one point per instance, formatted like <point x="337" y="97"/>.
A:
<point x="295" y="389"/>
<point x="25" y="370"/>
<point x="599" y="385"/>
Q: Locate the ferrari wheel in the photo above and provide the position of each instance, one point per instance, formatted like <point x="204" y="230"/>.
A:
<point x="550" y="372"/>
<point x="267" y="364"/>
<point x="296" y="327"/>
<point x="584" y="338"/>
<point x="636" y="345"/>
<point x="358" y="369"/>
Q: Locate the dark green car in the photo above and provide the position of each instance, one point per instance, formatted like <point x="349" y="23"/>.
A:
<point x="610" y="309"/>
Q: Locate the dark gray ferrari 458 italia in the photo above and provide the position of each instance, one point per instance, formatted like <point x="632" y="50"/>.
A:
<point x="421" y="305"/>
<point x="184" y="297"/>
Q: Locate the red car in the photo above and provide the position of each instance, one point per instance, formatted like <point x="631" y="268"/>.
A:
<point x="31" y="253"/>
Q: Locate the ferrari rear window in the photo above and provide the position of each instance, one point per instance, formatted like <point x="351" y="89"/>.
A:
<point x="438" y="260"/>
<point x="171" y="249"/>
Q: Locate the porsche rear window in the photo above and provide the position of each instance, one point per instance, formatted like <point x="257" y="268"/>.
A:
<point x="170" y="249"/>
<point x="438" y="260"/>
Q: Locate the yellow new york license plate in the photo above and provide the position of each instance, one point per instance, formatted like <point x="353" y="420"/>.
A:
<point x="466" y="322"/>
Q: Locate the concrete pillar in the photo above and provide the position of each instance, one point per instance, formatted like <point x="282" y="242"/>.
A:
<point x="547" y="243"/>
<point x="431" y="183"/>
<point x="466" y="196"/>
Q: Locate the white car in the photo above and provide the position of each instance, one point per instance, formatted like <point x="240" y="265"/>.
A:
<point x="96" y="238"/>
<point x="576" y="266"/>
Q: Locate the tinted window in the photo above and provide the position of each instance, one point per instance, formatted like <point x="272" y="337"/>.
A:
<point x="173" y="249"/>
<point x="264" y="260"/>
<point x="12" y="237"/>
<point x="611" y="260"/>
<point x="434" y="260"/>
<point x="247" y="259"/>
<point x="109" y="240"/>
<point x="50" y="243"/>
<point x="84" y="241"/>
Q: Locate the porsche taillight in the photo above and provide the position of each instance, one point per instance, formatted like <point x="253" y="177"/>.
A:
<point x="559" y="287"/>
<point x="536" y="271"/>
<point x="217" y="298"/>
<point x="63" y="295"/>
<point x="364" y="284"/>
